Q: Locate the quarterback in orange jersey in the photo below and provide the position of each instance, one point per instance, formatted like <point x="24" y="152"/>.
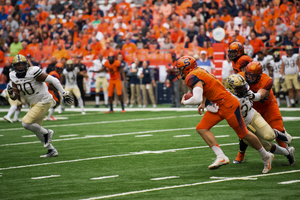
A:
<point x="115" y="71"/>
<point x="239" y="59"/>
<point x="53" y="91"/>
<point x="225" y="106"/>
<point x="265" y="103"/>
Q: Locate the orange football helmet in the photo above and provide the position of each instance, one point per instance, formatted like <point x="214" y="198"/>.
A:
<point x="185" y="65"/>
<point x="253" y="72"/>
<point x="236" y="50"/>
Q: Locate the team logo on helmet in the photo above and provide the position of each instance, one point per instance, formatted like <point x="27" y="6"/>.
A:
<point x="21" y="65"/>
<point x="237" y="85"/>
<point x="185" y="65"/>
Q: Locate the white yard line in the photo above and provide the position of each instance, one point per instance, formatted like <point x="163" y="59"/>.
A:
<point x="241" y="178"/>
<point x="220" y="136"/>
<point x="163" y="178"/>
<point x="113" y="156"/>
<point x="189" y="185"/>
<point x="43" y="177"/>
<point x="181" y="135"/>
<point x="111" y="135"/>
<point x="143" y="135"/>
<point x="1" y="135"/>
<point x="72" y="135"/>
<point x="29" y="136"/>
<point x="104" y="177"/>
<point x="289" y="182"/>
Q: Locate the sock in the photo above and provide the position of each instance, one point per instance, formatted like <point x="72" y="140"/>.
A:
<point x="105" y="98"/>
<point x="292" y="101"/>
<point x="36" y="128"/>
<point x="16" y="116"/>
<point x="122" y="105"/>
<point x="111" y="107"/>
<point x="97" y="100"/>
<point x="280" y="143"/>
<point x="50" y="147"/>
<point x="218" y="151"/>
<point x="243" y="146"/>
<point x="287" y="98"/>
<point x="278" y="101"/>
<point x="11" y="110"/>
<point x="280" y="136"/>
<point x="80" y="103"/>
<point x="51" y="111"/>
<point x="263" y="153"/>
<point x="280" y="150"/>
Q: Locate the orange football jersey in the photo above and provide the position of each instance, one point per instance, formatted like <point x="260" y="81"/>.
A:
<point x="113" y="69"/>
<point x="243" y="61"/>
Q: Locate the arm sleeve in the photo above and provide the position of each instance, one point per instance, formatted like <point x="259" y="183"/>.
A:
<point x="55" y="82"/>
<point x="197" y="97"/>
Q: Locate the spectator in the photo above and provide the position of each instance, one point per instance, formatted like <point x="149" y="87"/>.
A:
<point x="244" y="29"/>
<point x="25" y="50"/>
<point x="76" y="4"/>
<point x="51" y="66"/>
<point x="196" y="5"/>
<point x="167" y="45"/>
<point x="147" y="83"/>
<point x="105" y="7"/>
<point x="60" y="52"/>
<point x="15" y="47"/>
<point x="288" y="40"/>
<point x="3" y="15"/>
<point x="264" y="35"/>
<point x="256" y="43"/>
<point x="237" y="35"/>
<point x="280" y="27"/>
<point x="206" y="63"/>
<point x="80" y="77"/>
<point x="226" y="69"/>
<point x="185" y="17"/>
<point x="57" y="8"/>
<point x="12" y="23"/>
<point x="218" y="22"/>
<point x="295" y="44"/>
<point x="41" y="55"/>
<point x="231" y="28"/>
<point x="140" y="41"/>
<point x="135" y="84"/>
<point x="191" y="33"/>
<point x="166" y="8"/>
<point x="239" y="19"/>
<point x="248" y="48"/>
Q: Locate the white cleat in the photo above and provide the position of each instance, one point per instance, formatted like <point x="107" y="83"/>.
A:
<point x="50" y="153"/>
<point x="268" y="163"/>
<point x="154" y="105"/>
<point x="291" y="156"/>
<point x="48" y="137"/>
<point x="83" y="112"/>
<point x="220" y="161"/>
<point x="8" y="119"/>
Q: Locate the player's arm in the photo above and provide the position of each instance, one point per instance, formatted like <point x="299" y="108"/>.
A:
<point x="197" y="97"/>
<point x="271" y="70"/>
<point x="282" y="68"/>
<point x="262" y="92"/>
<point x="122" y="73"/>
<point x="83" y="73"/>
<point x="13" y="91"/>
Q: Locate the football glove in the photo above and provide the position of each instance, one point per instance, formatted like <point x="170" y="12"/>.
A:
<point x="213" y="108"/>
<point x="10" y="90"/>
<point x="250" y="94"/>
<point x="67" y="98"/>
<point x="281" y="78"/>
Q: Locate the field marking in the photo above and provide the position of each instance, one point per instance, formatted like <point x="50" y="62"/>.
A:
<point x="220" y="136"/>
<point x="143" y="135"/>
<point x="113" y="156"/>
<point x="1" y="135"/>
<point x="72" y="135"/>
<point x="111" y="135"/>
<point x="289" y="182"/>
<point x="296" y="137"/>
<point x="105" y="122"/>
<point x="43" y="177"/>
<point x="241" y="178"/>
<point x="188" y="185"/>
<point x="163" y="178"/>
<point x="57" y="117"/>
<point x="104" y="177"/>
<point x="29" y="136"/>
<point x="181" y="135"/>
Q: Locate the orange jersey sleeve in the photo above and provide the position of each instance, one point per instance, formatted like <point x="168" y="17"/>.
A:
<point x="243" y="61"/>
<point x="213" y="89"/>
<point x="113" y="69"/>
<point x="55" y="74"/>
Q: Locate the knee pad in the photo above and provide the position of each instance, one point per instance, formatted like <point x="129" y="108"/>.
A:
<point x="25" y="125"/>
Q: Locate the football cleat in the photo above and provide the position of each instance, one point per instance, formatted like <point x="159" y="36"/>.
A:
<point x="220" y="161"/>
<point x="83" y="112"/>
<point x="239" y="158"/>
<point x="48" y="137"/>
<point x="267" y="163"/>
<point x="291" y="156"/>
<point x="111" y="111"/>
<point x="50" y="153"/>
<point x="7" y="119"/>
<point x="123" y="111"/>
<point x="53" y="119"/>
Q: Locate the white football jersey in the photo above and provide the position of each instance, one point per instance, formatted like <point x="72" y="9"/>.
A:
<point x="276" y="68"/>
<point x="246" y="109"/>
<point x="290" y="64"/>
<point x="33" y="91"/>
<point x="71" y="77"/>
<point x="97" y="66"/>
<point x="264" y="64"/>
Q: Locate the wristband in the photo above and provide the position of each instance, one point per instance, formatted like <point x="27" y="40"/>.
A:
<point x="257" y="97"/>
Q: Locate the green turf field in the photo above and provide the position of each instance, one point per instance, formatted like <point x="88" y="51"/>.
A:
<point x="138" y="155"/>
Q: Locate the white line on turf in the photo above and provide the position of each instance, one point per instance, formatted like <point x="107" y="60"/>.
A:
<point x="163" y="178"/>
<point x="220" y="136"/>
<point x="188" y="185"/>
<point x="241" y="178"/>
<point x="111" y="135"/>
<point x="104" y="177"/>
<point x="1" y="135"/>
<point x="181" y="135"/>
<point x="72" y="135"/>
<point x="29" y="136"/>
<point x="289" y="182"/>
<point x="143" y="135"/>
<point x="105" y="122"/>
<point x="43" y="177"/>
<point x="113" y="156"/>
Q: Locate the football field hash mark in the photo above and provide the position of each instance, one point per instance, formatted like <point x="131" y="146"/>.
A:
<point x="43" y="177"/>
<point x="104" y="177"/>
<point x="29" y="136"/>
<point x="163" y="178"/>
<point x="72" y="135"/>
<point x="289" y="182"/>
<point x="143" y="135"/>
<point x="181" y="135"/>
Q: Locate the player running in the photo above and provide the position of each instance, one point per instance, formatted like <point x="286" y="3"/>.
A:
<point x="238" y="57"/>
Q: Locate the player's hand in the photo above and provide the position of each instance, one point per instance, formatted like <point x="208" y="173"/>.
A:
<point x="201" y="108"/>
<point x="281" y="78"/>
<point x="213" y="108"/>
<point x="67" y="98"/>
<point x="183" y="99"/>
<point x="10" y="90"/>
<point x="250" y="94"/>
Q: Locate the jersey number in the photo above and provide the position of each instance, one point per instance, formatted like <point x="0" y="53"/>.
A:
<point x="245" y="109"/>
<point x="27" y="88"/>
<point x="111" y="71"/>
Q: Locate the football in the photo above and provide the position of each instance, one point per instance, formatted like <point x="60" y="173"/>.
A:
<point x="188" y="95"/>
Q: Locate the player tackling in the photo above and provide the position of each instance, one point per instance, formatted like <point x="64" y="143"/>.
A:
<point x="29" y="82"/>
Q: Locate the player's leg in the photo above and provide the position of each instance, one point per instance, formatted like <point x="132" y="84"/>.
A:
<point x="33" y="121"/>
<point x="138" y="94"/>
<point x="203" y="128"/>
<point x="176" y="92"/>
<point x="151" y="95"/>
<point x="125" y="94"/>
<point x="104" y="84"/>
<point x="97" y="90"/>
<point x="132" y="98"/>
<point x="17" y="112"/>
<point x="286" y="94"/>
<point x="110" y="88"/>
<point x="277" y="90"/>
<point x="289" y="85"/>
<point x="296" y="84"/>
<point x="77" y="94"/>
<point x="118" y="84"/>
<point x="145" y="97"/>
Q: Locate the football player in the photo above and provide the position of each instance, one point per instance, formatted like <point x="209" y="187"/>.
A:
<point x="265" y="103"/>
<point x="205" y="85"/>
<point x="237" y="85"/>
<point x="29" y="82"/>
<point x="238" y="57"/>
<point x="115" y="71"/>
<point x="70" y="74"/>
<point x="276" y="64"/>
<point x="53" y="91"/>
<point x="290" y="72"/>
<point x="263" y="61"/>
